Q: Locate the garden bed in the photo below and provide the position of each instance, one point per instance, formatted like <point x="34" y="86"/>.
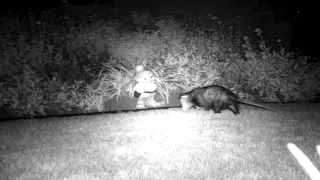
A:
<point x="112" y="105"/>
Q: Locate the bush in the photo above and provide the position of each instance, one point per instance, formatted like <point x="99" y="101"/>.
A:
<point x="79" y="64"/>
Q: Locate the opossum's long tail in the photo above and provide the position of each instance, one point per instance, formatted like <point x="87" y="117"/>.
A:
<point x="257" y="105"/>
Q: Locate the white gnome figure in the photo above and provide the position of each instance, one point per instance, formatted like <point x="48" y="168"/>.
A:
<point x="145" y="88"/>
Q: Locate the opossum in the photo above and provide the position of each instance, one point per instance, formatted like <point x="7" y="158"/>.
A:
<point x="216" y="98"/>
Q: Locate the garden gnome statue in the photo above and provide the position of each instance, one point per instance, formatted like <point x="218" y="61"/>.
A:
<point x="145" y="88"/>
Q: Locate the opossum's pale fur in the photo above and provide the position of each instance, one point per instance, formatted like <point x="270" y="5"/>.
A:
<point x="214" y="97"/>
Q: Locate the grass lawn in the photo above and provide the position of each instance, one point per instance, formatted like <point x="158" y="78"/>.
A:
<point x="162" y="144"/>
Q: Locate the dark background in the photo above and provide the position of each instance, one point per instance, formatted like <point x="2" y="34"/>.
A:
<point x="295" y="22"/>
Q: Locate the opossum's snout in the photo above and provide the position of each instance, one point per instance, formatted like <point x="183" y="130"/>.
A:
<point x="185" y="102"/>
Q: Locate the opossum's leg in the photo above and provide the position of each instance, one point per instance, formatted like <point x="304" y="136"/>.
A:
<point x="216" y="108"/>
<point x="234" y="109"/>
<point x="235" y="112"/>
<point x="207" y="107"/>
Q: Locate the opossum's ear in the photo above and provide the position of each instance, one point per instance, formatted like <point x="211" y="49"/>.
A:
<point x="136" y="94"/>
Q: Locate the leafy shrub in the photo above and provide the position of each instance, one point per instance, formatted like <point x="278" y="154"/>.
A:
<point x="76" y="64"/>
<point x="36" y="61"/>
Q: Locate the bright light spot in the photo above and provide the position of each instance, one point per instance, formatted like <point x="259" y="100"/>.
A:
<point x="304" y="161"/>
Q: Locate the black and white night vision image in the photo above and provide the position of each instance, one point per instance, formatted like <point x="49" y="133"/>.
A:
<point x="166" y="90"/>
